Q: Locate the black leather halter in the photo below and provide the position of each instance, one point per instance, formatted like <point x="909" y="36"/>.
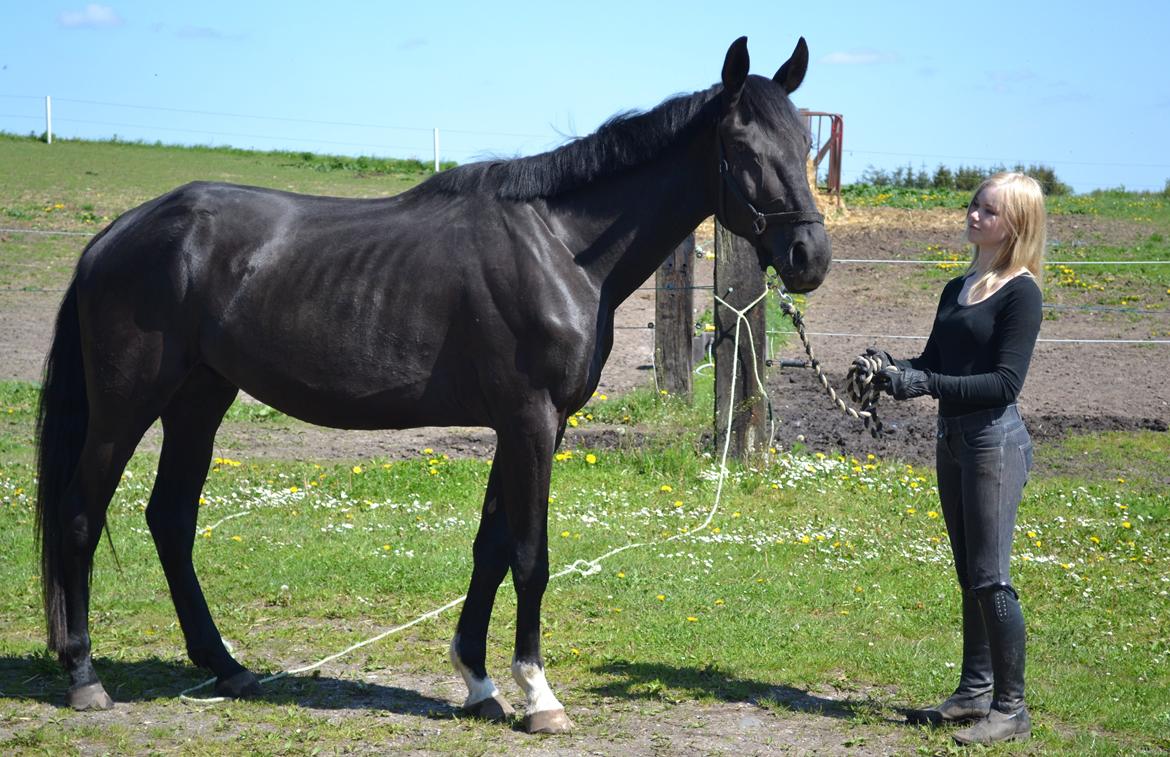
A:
<point x="759" y="220"/>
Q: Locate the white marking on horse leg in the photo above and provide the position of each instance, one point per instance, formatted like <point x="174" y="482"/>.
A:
<point x="478" y="689"/>
<point x="530" y="678"/>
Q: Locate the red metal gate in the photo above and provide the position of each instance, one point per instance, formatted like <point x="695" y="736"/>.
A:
<point x="827" y="145"/>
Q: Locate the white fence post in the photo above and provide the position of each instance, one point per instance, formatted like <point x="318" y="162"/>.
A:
<point x="48" y="119"/>
<point x="436" y="149"/>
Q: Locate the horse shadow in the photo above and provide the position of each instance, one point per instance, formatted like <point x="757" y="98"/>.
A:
<point x="653" y="681"/>
<point x="39" y="678"/>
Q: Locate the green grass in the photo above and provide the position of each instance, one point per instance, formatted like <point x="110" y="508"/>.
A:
<point x="814" y="570"/>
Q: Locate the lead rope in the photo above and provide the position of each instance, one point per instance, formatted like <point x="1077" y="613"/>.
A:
<point x="859" y="381"/>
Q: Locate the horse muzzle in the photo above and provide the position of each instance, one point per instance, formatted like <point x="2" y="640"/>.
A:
<point x="800" y="254"/>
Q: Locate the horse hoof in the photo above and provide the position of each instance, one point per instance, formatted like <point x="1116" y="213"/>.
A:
<point x="242" y="685"/>
<point x="548" y="721"/>
<point x="494" y="708"/>
<point x="90" y="697"/>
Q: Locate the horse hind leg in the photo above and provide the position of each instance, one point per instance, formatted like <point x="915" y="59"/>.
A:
<point x="190" y="421"/>
<point x="81" y="518"/>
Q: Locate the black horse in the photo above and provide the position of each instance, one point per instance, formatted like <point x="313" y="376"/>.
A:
<point x="485" y="296"/>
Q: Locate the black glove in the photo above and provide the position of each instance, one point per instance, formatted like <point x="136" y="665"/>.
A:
<point x="904" y="383"/>
<point x="886" y="358"/>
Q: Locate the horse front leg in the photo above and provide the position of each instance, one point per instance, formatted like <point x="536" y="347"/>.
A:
<point x="526" y="486"/>
<point x="469" y="647"/>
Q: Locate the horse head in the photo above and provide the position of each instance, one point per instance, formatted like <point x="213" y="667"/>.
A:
<point x="762" y="146"/>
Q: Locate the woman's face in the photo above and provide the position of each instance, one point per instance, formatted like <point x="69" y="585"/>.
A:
<point x="986" y="228"/>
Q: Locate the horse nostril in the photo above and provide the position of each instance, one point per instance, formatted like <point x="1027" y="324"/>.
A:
<point x="798" y="257"/>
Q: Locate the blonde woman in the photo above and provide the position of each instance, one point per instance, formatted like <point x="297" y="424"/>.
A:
<point x="974" y="364"/>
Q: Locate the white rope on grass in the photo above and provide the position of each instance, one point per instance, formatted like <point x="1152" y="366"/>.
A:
<point x="583" y="567"/>
<point x="58" y="232"/>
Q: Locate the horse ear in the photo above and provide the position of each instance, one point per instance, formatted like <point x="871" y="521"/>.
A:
<point x="735" y="70"/>
<point x="791" y="74"/>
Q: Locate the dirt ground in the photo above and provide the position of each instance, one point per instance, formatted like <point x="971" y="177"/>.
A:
<point x="1070" y="388"/>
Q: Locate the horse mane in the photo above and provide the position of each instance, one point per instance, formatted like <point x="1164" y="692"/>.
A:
<point x="624" y="141"/>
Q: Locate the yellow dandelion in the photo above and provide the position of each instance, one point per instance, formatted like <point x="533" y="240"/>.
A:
<point x="692" y="619"/>
<point x="602" y="397"/>
<point x="621" y="574"/>
<point x="1126" y="524"/>
<point x="678" y="503"/>
<point x="666" y="488"/>
<point x="357" y="469"/>
<point x="565" y="534"/>
<point x="661" y="597"/>
<point x="719" y="601"/>
<point x="574" y="650"/>
<point x="573" y="421"/>
<point x="1095" y="539"/>
<point x="237" y="538"/>
<point x="932" y="514"/>
<point x="385" y="547"/>
<point x="293" y="489"/>
<point x="591" y="458"/>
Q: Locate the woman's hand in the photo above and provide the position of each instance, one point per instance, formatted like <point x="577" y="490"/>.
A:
<point x="886" y="358"/>
<point x="904" y="383"/>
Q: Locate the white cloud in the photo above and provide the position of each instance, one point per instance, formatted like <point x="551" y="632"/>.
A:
<point x="93" y="16"/>
<point x="863" y="57"/>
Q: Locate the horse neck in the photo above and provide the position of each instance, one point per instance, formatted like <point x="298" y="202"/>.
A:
<point x="623" y="227"/>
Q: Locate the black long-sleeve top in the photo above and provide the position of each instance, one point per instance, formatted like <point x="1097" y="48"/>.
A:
<point x="977" y="355"/>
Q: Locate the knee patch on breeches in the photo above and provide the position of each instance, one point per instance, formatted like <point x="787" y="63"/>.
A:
<point x="1000" y="597"/>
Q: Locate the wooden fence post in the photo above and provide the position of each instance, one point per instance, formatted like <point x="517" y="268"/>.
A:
<point x="738" y="282"/>
<point x="674" y="320"/>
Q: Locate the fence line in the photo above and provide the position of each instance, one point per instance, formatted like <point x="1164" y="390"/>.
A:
<point x="865" y="261"/>
<point x="923" y="338"/>
<point x="868" y="261"/>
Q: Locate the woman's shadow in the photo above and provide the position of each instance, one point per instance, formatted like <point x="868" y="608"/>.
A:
<point x="652" y="681"/>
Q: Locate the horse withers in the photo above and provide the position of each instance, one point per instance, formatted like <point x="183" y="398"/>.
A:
<point x="484" y="296"/>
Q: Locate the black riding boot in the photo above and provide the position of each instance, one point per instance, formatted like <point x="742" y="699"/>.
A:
<point x="1008" y="718"/>
<point x="972" y="699"/>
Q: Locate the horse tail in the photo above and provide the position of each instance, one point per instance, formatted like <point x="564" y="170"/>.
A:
<point x="62" y="419"/>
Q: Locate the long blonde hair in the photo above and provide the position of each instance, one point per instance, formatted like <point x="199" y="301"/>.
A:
<point x="1021" y="206"/>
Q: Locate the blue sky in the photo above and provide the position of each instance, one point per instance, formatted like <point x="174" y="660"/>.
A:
<point x="1084" y="88"/>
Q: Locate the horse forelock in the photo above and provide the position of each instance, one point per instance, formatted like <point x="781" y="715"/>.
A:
<point x="626" y="140"/>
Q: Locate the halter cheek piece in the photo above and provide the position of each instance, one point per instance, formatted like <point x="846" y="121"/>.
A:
<point x="759" y="220"/>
